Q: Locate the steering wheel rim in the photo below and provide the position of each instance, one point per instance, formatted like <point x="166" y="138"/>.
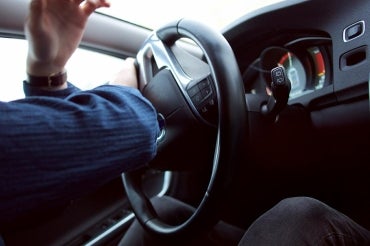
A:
<point x="231" y="129"/>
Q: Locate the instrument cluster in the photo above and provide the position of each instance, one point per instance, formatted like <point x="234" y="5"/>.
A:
<point x="306" y="62"/>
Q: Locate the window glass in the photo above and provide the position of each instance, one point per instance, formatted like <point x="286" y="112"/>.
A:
<point x="152" y="14"/>
<point x="12" y="68"/>
<point x="86" y="69"/>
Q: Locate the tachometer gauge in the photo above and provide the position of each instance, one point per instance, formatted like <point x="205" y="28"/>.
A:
<point x="319" y="65"/>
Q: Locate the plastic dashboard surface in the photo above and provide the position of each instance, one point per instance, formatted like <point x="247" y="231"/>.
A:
<point x="321" y="142"/>
<point x="324" y="51"/>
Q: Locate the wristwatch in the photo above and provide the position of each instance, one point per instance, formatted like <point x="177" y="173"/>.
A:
<point x="53" y="80"/>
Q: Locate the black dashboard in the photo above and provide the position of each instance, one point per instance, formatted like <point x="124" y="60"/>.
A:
<point x="320" y="145"/>
<point x="324" y="45"/>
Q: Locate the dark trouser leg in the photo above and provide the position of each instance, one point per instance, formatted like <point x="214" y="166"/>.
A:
<point x="304" y="221"/>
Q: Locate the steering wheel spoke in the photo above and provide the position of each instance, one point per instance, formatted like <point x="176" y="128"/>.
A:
<point x="190" y="72"/>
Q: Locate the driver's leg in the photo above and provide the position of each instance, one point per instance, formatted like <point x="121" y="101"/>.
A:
<point x="174" y="212"/>
<point x="304" y="221"/>
<point x="1" y="241"/>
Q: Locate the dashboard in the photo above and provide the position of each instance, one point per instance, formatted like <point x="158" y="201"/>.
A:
<point x="320" y="142"/>
<point x="324" y="52"/>
<point x="307" y="62"/>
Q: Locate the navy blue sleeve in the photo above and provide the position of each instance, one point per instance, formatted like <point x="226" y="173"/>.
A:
<point x="53" y="149"/>
<point x="35" y="91"/>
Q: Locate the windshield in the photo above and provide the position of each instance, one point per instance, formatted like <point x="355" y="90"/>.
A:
<point x="152" y="14"/>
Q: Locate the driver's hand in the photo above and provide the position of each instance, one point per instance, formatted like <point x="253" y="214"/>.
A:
<point x="127" y="75"/>
<point x="54" y="29"/>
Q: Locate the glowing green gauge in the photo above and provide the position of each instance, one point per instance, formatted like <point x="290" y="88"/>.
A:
<point x="295" y="72"/>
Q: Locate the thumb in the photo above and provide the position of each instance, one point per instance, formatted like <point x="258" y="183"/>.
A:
<point x="35" y="9"/>
<point x="34" y="16"/>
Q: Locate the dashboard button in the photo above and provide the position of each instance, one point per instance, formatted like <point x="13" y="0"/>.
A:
<point x="193" y="90"/>
<point x="354" y="31"/>
<point x="197" y="99"/>
<point x="206" y="91"/>
<point x="203" y="84"/>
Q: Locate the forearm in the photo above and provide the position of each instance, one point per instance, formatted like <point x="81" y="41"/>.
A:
<point x="80" y="143"/>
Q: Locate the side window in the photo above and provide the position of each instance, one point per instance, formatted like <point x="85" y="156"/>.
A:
<point x="12" y="68"/>
<point x="86" y="69"/>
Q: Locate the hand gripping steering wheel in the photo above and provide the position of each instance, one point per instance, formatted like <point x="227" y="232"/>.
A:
<point x="192" y="93"/>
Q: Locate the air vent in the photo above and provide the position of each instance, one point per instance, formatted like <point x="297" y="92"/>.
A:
<point x="353" y="58"/>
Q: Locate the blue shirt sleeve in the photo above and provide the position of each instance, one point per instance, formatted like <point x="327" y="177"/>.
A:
<point x="56" y="146"/>
<point x="36" y="91"/>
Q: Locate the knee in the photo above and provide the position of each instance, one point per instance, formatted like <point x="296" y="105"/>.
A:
<point x="286" y="221"/>
<point x="303" y="208"/>
<point x="302" y="202"/>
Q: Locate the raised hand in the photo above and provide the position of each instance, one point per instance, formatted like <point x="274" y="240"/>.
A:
<point x="54" y="29"/>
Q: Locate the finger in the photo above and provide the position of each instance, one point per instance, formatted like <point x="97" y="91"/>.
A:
<point x="90" y="6"/>
<point x="36" y="7"/>
<point x="130" y="60"/>
<point x="127" y="75"/>
<point x="33" y="20"/>
<point x="78" y="1"/>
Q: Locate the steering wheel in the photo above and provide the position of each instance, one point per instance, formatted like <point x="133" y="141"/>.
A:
<point x="198" y="93"/>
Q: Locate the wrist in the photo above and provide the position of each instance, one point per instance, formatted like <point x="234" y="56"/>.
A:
<point x="36" y="67"/>
<point x="46" y="75"/>
<point x="51" y="80"/>
<point x="54" y="81"/>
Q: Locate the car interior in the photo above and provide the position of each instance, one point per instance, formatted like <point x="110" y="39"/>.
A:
<point x="274" y="105"/>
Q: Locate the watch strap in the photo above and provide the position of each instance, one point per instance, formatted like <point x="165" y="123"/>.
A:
<point x="53" y="80"/>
